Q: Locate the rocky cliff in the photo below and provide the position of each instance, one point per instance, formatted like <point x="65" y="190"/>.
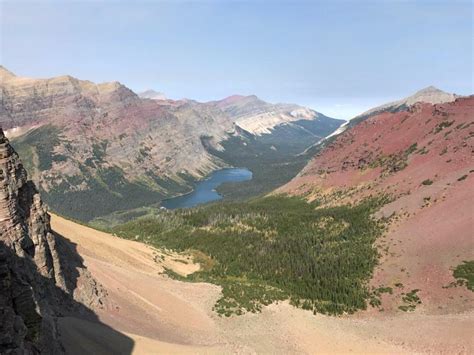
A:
<point x="108" y="122"/>
<point x="41" y="276"/>
<point x="258" y="117"/>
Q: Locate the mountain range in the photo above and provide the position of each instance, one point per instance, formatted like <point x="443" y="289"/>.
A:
<point x="378" y="222"/>
<point x="107" y="149"/>
<point x="373" y="216"/>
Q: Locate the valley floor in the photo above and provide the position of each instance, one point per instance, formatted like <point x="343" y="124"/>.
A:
<point x="161" y="315"/>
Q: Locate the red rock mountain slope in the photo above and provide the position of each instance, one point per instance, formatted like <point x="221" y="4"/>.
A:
<point x="422" y="158"/>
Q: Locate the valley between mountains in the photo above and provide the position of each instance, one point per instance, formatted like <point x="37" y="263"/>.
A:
<point x="95" y="149"/>
<point x="350" y="237"/>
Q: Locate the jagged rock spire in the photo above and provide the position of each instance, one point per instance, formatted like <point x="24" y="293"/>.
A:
<point x="12" y="179"/>
<point x="38" y="273"/>
<point x="26" y="262"/>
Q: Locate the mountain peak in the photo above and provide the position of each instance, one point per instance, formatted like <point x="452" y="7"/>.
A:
<point x="430" y="94"/>
<point x="429" y="89"/>
<point x="152" y="94"/>
<point x="233" y="97"/>
<point x="237" y="98"/>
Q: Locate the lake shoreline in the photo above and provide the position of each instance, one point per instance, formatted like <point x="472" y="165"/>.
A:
<point x="205" y="191"/>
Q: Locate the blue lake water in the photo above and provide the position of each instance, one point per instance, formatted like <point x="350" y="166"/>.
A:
<point x="205" y="189"/>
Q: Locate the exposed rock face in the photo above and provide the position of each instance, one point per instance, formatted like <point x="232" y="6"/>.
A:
<point x="23" y="220"/>
<point x="103" y="143"/>
<point x="64" y="99"/>
<point x="259" y="117"/>
<point x="108" y="126"/>
<point x="38" y="271"/>
<point x="110" y="115"/>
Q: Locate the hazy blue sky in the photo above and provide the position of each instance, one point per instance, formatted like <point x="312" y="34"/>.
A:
<point x="339" y="57"/>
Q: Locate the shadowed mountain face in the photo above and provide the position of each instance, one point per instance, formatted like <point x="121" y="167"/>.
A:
<point x="421" y="157"/>
<point x="41" y="275"/>
<point x="94" y="149"/>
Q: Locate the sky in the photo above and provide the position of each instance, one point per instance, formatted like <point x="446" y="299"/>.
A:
<point x="337" y="57"/>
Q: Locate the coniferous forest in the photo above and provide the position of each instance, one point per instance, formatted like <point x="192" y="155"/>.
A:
<point x="271" y="249"/>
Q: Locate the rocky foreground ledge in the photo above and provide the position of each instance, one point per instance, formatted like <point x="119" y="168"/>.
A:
<point x="41" y="275"/>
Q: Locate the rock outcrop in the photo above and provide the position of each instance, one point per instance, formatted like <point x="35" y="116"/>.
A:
<point x="41" y="276"/>
<point x="258" y="117"/>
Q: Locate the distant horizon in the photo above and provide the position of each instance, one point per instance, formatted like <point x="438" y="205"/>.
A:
<point x="369" y="106"/>
<point x="338" y="57"/>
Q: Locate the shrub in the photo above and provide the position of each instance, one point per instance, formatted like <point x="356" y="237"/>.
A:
<point x="464" y="274"/>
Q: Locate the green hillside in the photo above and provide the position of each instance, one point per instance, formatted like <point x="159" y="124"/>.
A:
<point x="271" y="249"/>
